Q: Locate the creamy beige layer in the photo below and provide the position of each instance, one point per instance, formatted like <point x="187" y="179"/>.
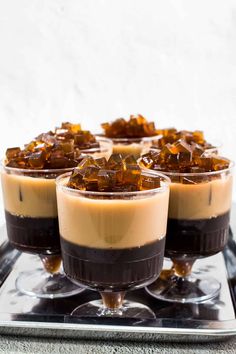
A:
<point x="99" y="154"/>
<point x="128" y="149"/>
<point x="28" y="196"/>
<point x="113" y="223"/>
<point x="200" y="201"/>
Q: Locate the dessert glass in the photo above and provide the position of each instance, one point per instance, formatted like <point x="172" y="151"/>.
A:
<point x="32" y="225"/>
<point x="113" y="242"/>
<point x="197" y="227"/>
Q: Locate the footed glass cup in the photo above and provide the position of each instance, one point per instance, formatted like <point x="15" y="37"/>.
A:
<point x="197" y="227"/>
<point x="32" y="224"/>
<point x="113" y="242"/>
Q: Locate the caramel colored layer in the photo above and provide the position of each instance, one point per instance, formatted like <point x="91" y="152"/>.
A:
<point x="28" y="196"/>
<point x="200" y="201"/>
<point x="113" y="223"/>
<point x="128" y="149"/>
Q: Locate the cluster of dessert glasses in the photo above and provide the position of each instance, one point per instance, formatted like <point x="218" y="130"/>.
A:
<point x="118" y="216"/>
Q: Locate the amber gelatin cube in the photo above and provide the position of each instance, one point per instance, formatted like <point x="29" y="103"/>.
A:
<point x="147" y="182"/>
<point x="219" y="163"/>
<point x="146" y="161"/>
<point x="198" y="137"/>
<point x="80" y="139"/>
<point x="131" y="175"/>
<point x="184" y="152"/>
<point x="91" y="175"/>
<point x="130" y="160"/>
<point x="101" y="162"/>
<point x="18" y="162"/>
<point x="12" y="152"/>
<point x="167" y="131"/>
<point x="67" y="146"/>
<point x="61" y="162"/>
<point x="77" y="179"/>
<point x="30" y="146"/>
<point x="74" y="128"/>
<point x="106" y="180"/>
<point x="86" y="162"/>
<point x="205" y="163"/>
<point x="197" y="149"/>
<point x="115" y="162"/>
<point x="37" y="159"/>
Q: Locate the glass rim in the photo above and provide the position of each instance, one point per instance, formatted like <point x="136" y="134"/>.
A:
<point x="130" y="139"/>
<point x="29" y="170"/>
<point x="195" y="174"/>
<point x="160" y="189"/>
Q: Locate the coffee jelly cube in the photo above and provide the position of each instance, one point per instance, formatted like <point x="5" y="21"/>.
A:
<point x="148" y="182"/>
<point x="219" y="163"/>
<point x="91" y="178"/>
<point x="86" y="162"/>
<point x="67" y="146"/>
<point x="37" y="159"/>
<point x="77" y="179"/>
<point x="107" y="180"/>
<point x="12" y="152"/>
<point x="184" y="152"/>
<point x="101" y="162"/>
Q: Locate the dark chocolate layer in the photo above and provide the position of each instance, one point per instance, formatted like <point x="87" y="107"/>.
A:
<point x="196" y="238"/>
<point x="117" y="269"/>
<point x="33" y="235"/>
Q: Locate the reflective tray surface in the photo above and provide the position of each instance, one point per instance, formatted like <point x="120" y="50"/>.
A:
<point x="211" y="321"/>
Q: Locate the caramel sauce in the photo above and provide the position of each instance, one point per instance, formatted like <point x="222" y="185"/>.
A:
<point x="182" y="268"/>
<point x="51" y="263"/>
<point x="113" y="300"/>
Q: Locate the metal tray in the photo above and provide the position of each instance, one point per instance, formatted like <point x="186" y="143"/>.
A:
<point x="214" y="320"/>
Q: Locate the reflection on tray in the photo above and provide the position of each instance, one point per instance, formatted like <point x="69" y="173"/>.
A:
<point x="15" y="303"/>
<point x="16" y="307"/>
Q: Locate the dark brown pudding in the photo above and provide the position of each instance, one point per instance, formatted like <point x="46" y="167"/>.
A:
<point x="196" y="238"/>
<point x="33" y="235"/>
<point x="118" y="269"/>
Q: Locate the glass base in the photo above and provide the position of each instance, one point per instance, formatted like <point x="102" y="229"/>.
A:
<point x="190" y="289"/>
<point x="40" y="284"/>
<point x="129" y="309"/>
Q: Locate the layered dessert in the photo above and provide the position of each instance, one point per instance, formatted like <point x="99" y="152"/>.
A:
<point x="134" y="136"/>
<point x="200" y="198"/>
<point x="112" y="220"/>
<point x="28" y="183"/>
<point x="31" y="213"/>
<point x="200" y="228"/>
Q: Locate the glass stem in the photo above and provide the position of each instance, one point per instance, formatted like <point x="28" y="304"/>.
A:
<point x="51" y="263"/>
<point x="182" y="268"/>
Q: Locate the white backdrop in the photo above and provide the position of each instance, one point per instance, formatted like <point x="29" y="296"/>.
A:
<point x="94" y="60"/>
